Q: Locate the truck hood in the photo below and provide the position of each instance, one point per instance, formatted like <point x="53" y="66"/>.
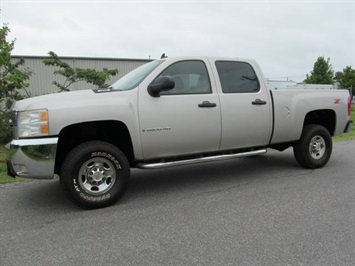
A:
<point x="53" y="101"/>
<point x="70" y="108"/>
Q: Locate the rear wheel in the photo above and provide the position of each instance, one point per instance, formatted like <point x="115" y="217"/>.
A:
<point x="94" y="174"/>
<point x="314" y="148"/>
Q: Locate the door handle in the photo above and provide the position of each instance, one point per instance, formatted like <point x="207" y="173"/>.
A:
<point x="258" y="102"/>
<point x="207" y="104"/>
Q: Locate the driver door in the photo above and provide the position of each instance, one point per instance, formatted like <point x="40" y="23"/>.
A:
<point x="184" y="120"/>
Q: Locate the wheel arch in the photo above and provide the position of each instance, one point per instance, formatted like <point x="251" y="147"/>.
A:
<point x="114" y="132"/>
<point x="326" y="118"/>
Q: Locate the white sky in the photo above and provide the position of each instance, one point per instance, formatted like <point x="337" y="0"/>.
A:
<point x="285" y="37"/>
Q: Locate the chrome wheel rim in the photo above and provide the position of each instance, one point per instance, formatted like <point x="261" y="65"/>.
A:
<point x="317" y="147"/>
<point x="97" y="176"/>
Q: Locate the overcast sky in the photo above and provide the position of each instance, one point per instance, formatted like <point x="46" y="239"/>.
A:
<point x="285" y="37"/>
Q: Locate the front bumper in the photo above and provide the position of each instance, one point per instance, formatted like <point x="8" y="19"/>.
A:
<point x="31" y="158"/>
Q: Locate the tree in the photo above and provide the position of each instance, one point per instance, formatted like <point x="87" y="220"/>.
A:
<point x="13" y="82"/>
<point x="338" y="75"/>
<point x="73" y="75"/>
<point x="347" y="78"/>
<point x="322" y="72"/>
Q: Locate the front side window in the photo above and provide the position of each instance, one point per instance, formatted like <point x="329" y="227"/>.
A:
<point x="190" y="77"/>
<point x="237" y="77"/>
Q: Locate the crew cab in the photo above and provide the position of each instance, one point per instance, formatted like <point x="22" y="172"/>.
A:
<point x="169" y="112"/>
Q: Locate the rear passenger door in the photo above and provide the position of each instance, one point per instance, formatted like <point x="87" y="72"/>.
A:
<point x="245" y="106"/>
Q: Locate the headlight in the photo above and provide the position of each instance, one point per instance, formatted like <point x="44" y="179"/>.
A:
<point x="32" y="123"/>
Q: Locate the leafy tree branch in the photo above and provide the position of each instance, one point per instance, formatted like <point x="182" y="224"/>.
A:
<point x="73" y="75"/>
<point x="13" y="82"/>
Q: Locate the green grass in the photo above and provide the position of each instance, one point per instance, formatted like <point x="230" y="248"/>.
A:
<point x="4" y="178"/>
<point x="350" y="135"/>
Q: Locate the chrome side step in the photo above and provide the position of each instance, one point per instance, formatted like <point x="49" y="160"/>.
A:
<point x="158" y="165"/>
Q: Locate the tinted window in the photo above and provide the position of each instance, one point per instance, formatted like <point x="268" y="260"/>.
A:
<point x="190" y="77"/>
<point x="237" y="77"/>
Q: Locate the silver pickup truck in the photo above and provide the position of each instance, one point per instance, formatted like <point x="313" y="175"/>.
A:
<point x="169" y="112"/>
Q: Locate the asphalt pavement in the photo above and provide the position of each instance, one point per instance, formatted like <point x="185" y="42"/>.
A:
<point x="264" y="210"/>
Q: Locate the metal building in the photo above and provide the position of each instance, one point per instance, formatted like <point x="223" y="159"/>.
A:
<point x="43" y="76"/>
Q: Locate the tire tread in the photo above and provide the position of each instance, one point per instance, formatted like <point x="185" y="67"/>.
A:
<point x="69" y="163"/>
<point x="301" y="147"/>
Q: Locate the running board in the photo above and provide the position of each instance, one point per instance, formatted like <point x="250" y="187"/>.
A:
<point x="199" y="160"/>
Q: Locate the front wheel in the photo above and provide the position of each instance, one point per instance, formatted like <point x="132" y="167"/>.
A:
<point x="94" y="174"/>
<point x="314" y="148"/>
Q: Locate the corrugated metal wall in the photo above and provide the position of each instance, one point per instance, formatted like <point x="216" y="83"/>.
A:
<point x="43" y="76"/>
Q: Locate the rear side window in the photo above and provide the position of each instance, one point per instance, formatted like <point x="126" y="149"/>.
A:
<point x="191" y="77"/>
<point x="237" y="77"/>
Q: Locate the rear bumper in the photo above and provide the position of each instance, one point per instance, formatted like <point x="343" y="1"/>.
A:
<point x="349" y="126"/>
<point x="31" y="158"/>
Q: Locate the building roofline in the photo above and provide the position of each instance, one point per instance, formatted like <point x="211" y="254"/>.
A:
<point x="81" y="58"/>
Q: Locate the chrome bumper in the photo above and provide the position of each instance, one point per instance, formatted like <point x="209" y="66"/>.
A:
<point x="31" y="158"/>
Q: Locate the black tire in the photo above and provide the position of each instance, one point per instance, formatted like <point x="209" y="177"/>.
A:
<point x="314" y="148"/>
<point x="94" y="174"/>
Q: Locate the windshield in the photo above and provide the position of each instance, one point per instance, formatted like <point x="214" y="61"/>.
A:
<point x="135" y="77"/>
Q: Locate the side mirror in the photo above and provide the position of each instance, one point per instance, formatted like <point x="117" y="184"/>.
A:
<point x="163" y="83"/>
